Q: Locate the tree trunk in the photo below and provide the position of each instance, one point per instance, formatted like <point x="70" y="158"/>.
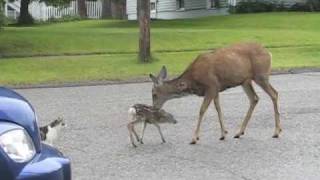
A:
<point x="118" y="9"/>
<point x="106" y="9"/>
<point x="144" y="23"/>
<point x="25" y="18"/>
<point x="82" y="9"/>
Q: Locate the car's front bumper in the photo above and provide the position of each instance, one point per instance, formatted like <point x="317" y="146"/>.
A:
<point x="50" y="164"/>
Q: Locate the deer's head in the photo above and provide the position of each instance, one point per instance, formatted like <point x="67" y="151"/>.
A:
<point x="163" y="91"/>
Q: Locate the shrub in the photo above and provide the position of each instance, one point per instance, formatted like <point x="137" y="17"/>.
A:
<point x="309" y="6"/>
<point x="65" y="18"/>
<point x="254" y="6"/>
<point x="2" y="19"/>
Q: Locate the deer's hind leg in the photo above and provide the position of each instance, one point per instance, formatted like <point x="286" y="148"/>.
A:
<point x="266" y="86"/>
<point x="249" y="90"/>
<point x="132" y="131"/>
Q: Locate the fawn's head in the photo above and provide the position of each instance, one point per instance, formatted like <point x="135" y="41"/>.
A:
<point x="167" y="117"/>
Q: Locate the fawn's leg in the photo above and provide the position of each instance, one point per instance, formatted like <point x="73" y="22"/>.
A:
<point x="159" y="129"/>
<point x="248" y="89"/>
<point x="130" y="128"/>
<point x="143" y="129"/>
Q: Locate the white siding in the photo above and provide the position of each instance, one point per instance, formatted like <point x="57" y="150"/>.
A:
<point x="192" y="13"/>
<point x="167" y="9"/>
<point x="167" y="5"/>
<point x="195" y="4"/>
<point x="131" y="6"/>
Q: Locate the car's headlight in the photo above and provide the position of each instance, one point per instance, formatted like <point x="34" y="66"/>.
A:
<point x="18" y="145"/>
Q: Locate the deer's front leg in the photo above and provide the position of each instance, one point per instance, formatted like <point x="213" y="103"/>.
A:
<point x="218" y="108"/>
<point x="203" y="109"/>
<point x="159" y="129"/>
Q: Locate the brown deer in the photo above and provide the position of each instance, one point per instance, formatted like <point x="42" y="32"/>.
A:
<point x="214" y="72"/>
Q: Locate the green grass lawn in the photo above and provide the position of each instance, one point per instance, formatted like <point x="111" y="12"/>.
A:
<point x="106" y="49"/>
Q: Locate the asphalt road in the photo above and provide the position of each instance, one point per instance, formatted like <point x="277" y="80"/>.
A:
<point x="96" y="138"/>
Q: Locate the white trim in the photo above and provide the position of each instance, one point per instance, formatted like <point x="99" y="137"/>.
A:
<point x="181" y="9"/>
<point x="209" y="4"/>
<point x="6" y="8"/>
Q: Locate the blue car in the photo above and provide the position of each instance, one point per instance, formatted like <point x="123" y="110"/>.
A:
<point x="22" y="155"/>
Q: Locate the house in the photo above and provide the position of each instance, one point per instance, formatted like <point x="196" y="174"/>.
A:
<point x="42" y="12"/>
<point x="177" y="9"/>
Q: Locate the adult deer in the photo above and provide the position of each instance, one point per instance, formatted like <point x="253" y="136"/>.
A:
<point x="214" y="72"/>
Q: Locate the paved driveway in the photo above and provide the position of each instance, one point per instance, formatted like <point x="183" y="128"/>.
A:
<point x="96" y="138"/>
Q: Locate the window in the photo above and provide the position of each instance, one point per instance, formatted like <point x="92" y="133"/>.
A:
<point x="180" y="4"/>
<point x="153" y="6"/>
<point x="211" y="4"/>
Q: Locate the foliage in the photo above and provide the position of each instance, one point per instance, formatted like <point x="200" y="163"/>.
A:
<point x="309" y="6"/>
<point x="257" y="6"/>
<point x="64" y="18"/>
<point x="57" y="3"/>
<point x="2" y="17"/>
<point x="254" y="6"/>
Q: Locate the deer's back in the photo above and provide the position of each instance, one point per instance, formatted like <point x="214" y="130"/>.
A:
<point x="231" y="66"/>
<point x="147" y="113"/>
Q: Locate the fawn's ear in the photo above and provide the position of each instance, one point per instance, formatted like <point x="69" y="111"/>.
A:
<point x="162" y="74"/>
<point x="154" y="79"/>
<point x="182" y="86"/>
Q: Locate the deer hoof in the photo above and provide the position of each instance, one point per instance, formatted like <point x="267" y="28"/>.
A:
<point x="193" y="142"/>
<point x="141" y="142"/>
<point x="275" y="136"/>
<point x="237" y="136"/>
<point x="222" y="138"/>
<point x="134" y="145"/>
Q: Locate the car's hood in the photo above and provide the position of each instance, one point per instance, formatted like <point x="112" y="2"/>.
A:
<point x="16" y="109"/>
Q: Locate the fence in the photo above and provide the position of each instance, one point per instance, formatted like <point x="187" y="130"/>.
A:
<point x="40" y="11"/>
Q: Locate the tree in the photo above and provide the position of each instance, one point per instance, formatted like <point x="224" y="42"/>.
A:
<point x="118" y="9"/>
<point x="144" y="24"/>
<point x="114" y="9"/>
<point x="2" y="18"/>
<point x="25" y="17"/>
<point x="82" y="8"/>
<point x="106" y="9"/>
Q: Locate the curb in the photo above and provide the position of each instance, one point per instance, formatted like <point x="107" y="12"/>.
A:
<point x="140" y="80"/>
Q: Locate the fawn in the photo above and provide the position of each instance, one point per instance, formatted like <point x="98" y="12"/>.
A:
<point x="147" y="114"/>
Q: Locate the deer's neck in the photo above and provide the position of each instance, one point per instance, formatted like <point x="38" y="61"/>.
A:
<point x="192" y="86"/>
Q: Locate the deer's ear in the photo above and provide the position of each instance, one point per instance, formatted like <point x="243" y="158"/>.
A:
<point x="154" y="79"/>
<point x="182" y="86"/>
<point x="163" y="73"/>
